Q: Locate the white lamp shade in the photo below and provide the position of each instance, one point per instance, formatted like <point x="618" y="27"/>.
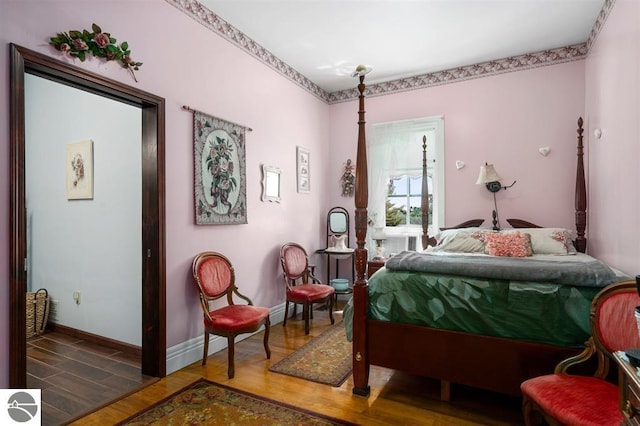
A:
<point x="487" y="174"/>
<point x="378" y="234"/>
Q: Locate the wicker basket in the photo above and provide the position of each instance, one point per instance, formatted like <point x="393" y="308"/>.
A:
<point x="37" y="312"/>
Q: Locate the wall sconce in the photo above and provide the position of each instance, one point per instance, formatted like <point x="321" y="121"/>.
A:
<point x="490" y="178"/>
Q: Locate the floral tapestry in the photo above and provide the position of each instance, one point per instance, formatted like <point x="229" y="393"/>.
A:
<point x="220" y="179"/>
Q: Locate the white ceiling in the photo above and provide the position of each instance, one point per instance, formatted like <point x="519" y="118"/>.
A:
<point x="325" y="40"/>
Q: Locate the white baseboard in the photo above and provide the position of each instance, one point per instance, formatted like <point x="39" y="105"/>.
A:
<point x="190" y="351"/>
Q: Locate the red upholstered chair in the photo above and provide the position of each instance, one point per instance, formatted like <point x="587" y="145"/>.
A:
<point x="301" y="286"/>
<point x="565" y="399"/>
<point x="215" y="278"/>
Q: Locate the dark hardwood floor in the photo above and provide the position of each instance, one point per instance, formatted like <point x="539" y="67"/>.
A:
<point x="78" y="377"/>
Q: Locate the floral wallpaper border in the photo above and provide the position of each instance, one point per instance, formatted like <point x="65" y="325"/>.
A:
<point x="209" y="19"/>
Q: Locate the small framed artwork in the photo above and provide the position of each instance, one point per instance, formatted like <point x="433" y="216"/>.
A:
<point x="79" y="170"/>
<point x="303" y="169"/>
<point x="270" y="184"/>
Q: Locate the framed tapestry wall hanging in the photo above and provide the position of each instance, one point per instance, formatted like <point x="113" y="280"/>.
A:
<point x="220" y="176"/>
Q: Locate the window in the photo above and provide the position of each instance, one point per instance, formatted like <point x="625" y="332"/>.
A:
<point x="395" y="179"/>
<point x="405" y="195"/>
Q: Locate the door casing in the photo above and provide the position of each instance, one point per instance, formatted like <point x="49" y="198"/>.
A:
<point x="153" y="205"/>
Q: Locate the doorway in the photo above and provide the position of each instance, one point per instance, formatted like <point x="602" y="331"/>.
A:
<point x="152" y="250"/>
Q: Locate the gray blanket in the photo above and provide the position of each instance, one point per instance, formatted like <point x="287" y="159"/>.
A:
<point x="585" y="274"/>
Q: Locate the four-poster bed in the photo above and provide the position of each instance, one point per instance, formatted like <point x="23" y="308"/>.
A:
<point x="484" y="361"/>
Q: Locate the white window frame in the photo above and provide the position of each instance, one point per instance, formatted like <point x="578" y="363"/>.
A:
<point x="433" y="126"/>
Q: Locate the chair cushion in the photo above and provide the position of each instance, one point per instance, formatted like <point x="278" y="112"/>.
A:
<point x="309" y="292"/>
<point x="575" y="400"/>
<point x="235" y="318"/>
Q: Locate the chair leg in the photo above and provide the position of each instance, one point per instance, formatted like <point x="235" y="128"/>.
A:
<point x="286" y="312"/>
<point x="206" y="348"/>
<point x="231" y="371"/>
<point x="331" y="309"/>
<point x="305" y="316"/>
<point x="267" y="327"/>
<point x="531" y="413"/>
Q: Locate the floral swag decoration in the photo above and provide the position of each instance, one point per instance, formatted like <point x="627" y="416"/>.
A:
<point x="78" y="44"/>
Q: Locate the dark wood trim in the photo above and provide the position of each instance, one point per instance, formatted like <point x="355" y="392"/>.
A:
<point x="17" y="217"/>
<point x="94" y="338"/>
<point x="472" y="223"/>
<point x="424" y="204"/>
<point x="519" y="223"/>
<point x="581" y="195"/>
<point x="153" y="209"/>
<point x="360" y="287"/>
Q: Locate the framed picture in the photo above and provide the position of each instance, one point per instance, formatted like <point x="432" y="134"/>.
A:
<point x="270" y="183"/>
<point x="79" y="170"/>
<point x="303" y="169"/>
<point x="220" y="177"/>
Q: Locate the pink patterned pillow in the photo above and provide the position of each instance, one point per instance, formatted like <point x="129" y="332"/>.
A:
<point x="511" y="244"/>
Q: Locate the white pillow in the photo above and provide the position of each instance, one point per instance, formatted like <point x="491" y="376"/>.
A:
<point x="462" y="240"/>
<point x="549" y="240"/>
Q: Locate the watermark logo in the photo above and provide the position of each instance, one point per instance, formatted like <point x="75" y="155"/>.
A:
<point x="23" y="407"/>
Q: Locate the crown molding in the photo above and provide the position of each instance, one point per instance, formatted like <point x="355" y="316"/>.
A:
<point x="454" y="75"/>
<point x="575" y="52"/>
<point x="600" y="20"/>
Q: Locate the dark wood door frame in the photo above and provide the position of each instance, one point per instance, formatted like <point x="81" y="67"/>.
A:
<point x="153" y="205"/>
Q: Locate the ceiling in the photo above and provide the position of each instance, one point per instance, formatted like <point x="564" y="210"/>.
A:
<point x="324" y="40"/>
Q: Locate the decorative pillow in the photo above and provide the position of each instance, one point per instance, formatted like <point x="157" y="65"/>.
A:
<point x="463" y="240"/>
<point x="549" y="240"/>
<point x="509" y="244"/>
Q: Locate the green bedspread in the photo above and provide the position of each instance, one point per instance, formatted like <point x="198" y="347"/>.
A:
<point x="547" y="313"/>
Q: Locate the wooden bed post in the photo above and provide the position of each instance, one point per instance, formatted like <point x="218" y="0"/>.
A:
<point x="581" y="195"/>
<point x="360" y="288"/>
<point x="424" y="205"/>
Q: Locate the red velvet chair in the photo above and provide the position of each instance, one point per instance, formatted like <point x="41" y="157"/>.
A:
<point x="566" y="399"/>
<point x="301" y="286"/>
<point x="215" y="278"/>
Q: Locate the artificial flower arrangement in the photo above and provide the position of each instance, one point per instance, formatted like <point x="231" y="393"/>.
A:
<point x="100" y="44"/>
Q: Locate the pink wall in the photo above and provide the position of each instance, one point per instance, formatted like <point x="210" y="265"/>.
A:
<point x="502" y="120"/>
<point x="188" y="64"/>
<point x="613" y="105"/>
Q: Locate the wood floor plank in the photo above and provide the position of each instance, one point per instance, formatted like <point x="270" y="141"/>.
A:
<point x="95" y="348"/>
<point x="87" y="390"/>
<point x="41" y="370"/>
<point x="34" y="382"/>
<point x="53" y="345"/>
<point x="91" y="358"/>
<point x="81" y="369"/>
<point x="45" y="356"/>
<point x="64" y="401"/>
<point x="124" y="370"/>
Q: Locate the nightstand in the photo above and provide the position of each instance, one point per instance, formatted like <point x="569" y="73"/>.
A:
<point x="629" y="387"/>
<point x="373" y="265"/>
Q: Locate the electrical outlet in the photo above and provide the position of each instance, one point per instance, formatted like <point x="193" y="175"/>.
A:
<point x="76" y="297"/>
